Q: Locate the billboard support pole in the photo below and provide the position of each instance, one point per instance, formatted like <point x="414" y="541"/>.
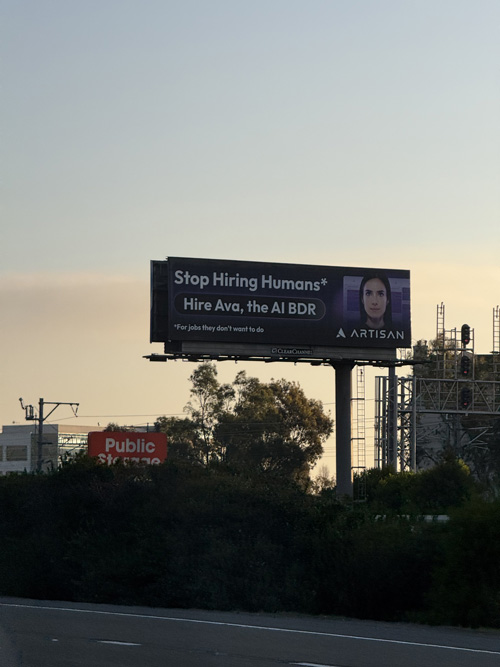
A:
<point x="343" y="427"/>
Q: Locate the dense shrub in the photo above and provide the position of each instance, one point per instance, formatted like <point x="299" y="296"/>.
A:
<point x="466" y="586"/>
<point x="179" y="535"/>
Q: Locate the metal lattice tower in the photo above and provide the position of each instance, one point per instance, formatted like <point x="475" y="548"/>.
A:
<point x="359" y="430"/>
<point x="496" y="342"/>
<point x="395" y="422"/>
<point x="440" y="323"/>
<point x="358" y="440"/>
<point x="496" y="330"/>
<point x="440" y="340"/>
<point x="407" y="424"/>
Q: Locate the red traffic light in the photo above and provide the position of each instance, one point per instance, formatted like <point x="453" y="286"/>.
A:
<point x="465" y="364"/>
<point x="465" y="334"/>
<point x="466" y="397"/>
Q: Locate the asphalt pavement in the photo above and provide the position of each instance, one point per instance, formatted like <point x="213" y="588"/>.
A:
<point x="35" y="633"/>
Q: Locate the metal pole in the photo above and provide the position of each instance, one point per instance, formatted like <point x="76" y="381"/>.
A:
<point x="393" y="419"/>
<point x="413" y="441"/>
<point x="40" y="436"/>
<point x="343" y="428"/>
<point x="403" y="452"/>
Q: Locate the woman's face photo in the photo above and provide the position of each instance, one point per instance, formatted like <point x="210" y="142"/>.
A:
<point x="374" y="299"/>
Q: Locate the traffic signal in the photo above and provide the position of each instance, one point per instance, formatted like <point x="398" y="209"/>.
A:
<point x="466" y="397"/>
<point x="465" y="332"/>
<point x="465" y="364"/>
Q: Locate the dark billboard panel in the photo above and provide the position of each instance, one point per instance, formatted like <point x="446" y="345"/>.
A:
<point x="223" y="301"/>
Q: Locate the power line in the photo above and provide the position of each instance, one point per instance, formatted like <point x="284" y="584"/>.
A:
<point x="155" y="414"/>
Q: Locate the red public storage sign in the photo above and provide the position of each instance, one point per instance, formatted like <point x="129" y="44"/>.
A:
<point x="112" y="446"/>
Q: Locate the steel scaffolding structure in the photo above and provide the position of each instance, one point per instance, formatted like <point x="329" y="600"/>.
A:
<point x="395" y="422"/>
<point x="403" y="405"/>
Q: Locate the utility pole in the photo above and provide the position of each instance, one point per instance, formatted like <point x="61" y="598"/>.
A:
<point x="30" y="416"/>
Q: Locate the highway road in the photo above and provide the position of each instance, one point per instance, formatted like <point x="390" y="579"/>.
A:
<point x="62" y="634"/>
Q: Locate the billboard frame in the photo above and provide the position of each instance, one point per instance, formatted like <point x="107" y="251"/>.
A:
<point x="186" y="294"/>
<point x="342" y="358"/>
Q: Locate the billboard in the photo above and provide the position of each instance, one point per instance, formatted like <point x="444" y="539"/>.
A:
<point x="285" y="306"/>
<point x="136" y="447"/>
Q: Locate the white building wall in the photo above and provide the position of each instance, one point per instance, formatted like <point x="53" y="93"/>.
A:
<point x="15" y="448"/>
<point x="18" y="447"/>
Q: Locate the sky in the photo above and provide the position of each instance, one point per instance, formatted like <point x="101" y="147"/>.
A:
<point x="361" y="133"/>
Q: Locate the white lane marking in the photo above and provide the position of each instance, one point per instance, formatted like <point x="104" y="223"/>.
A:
<point x="249" y="627"/>
<point x="109" y="641"/>
<point x="309" y="664"/>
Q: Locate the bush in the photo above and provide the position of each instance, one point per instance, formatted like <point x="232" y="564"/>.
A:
<point x="465" y="588"/>
<point x="179" y="535"/>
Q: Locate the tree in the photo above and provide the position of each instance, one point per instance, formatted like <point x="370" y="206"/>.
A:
<point x="447" y="485"/>
<point x="183" y="440"/>
<point x="210" y="400"/>
<point x="250" y="425"/>
<point x="323" y="480"/>
<point x="274" y="428"/>
<point x="113" y="426"/>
